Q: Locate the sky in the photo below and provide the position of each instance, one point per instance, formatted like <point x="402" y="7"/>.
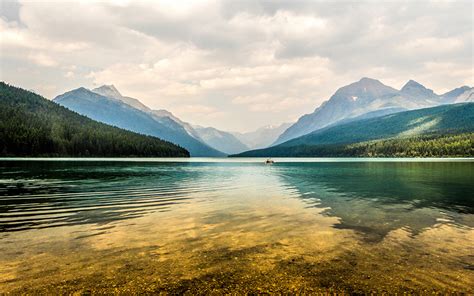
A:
<point x="235" y="65"/>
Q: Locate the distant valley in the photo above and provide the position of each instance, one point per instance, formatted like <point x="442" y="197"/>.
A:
<point x="352" y="122"/>
<point x="106" y="104"/>
<point x="262" y="137"/>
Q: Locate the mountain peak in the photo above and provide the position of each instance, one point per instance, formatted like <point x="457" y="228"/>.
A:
<point x="412" y="84"/>
<point x="456" y="92"/>
<point x="77" y="94"/>
<point x="79" y="90"/>
<point x="163" y="112"/>
<point x="108" y="87"/>
<point x="365" y="89"/>
<point x="416" y="89"/>
<point x="369" y="80"/>
<point x="108" y="91"/>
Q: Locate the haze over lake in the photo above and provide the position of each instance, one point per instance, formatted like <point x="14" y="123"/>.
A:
<point x="236" y="225"/>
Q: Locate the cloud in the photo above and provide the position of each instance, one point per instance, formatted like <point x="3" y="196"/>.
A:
<point x="284" y="57"/>
<point x="431" y="45"/>
<point x="266" y="102"/>
<point x="42" y="59"/>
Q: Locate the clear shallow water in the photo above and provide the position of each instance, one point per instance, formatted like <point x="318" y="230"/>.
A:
<point x="223" y="225"/>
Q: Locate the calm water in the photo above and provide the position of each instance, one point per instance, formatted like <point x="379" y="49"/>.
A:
<point x="236" y="225"/>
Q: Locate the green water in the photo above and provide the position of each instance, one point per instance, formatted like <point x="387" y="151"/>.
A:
<point x="236" y="226"/>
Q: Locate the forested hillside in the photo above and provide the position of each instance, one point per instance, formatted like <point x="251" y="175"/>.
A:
<point x="459" y="145"/>
<point x="369" y="97"/>
<point x="438" y="131"/>
<point x="31" y="125"/>
<point x="130" y="114"/>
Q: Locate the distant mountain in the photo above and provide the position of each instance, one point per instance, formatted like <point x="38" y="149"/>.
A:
<point x="459" y="95"/>
<point x="31" y="125"/>
<point x="262" y="137"/>
<point x="366" y="96"/>
<point x="452" y="95"/>
<point x="414" y="90"/>
<point x="222" y="141"/>
<point x="163" y="116"/>
<point x="109" y="91"/>
<point x="107" y="105"/>
<point x="226" y="142"/>
<point x="212" y="137"/>
<point x="467" y="96"/>
<point x="187" y="126"/>
<point x="416" y="128"/>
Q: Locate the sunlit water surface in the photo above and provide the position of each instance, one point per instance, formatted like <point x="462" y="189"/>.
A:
<point x="236" y="225"/>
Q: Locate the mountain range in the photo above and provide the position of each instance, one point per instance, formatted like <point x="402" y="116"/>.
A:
<point x="236" y="142"/>
<point x="105" y="104"/>
<point x="31" y="125"/>
<point x="446" y="130"/>
<point x="352" y="107"/>
<point x="262" y="137"/>
<point x="364" y="99"/>
<point x="221" y="140"/>
<point x="370" y="98"/>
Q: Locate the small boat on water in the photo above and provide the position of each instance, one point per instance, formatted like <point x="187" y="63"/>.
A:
<point x="269" y="161"/>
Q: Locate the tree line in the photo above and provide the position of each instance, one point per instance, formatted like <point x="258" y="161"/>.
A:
<point x="31" y="125"/>
<point x="430" y="145"/>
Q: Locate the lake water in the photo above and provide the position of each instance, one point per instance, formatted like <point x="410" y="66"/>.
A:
<point x="236" y="226"/>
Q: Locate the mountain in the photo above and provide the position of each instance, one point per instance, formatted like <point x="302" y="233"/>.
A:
<point x="451" y="127"/>
<point x="226" y="142"/>
<point x="365" y="96"/>
<point x="111" y="92"/>
<point x="467" y="96"/>
<point x="163" y="116"/>
<point x="130" y="114"/>
<point x="31" y="125"/>
<point x="222" y="141"/>
<point x="262" y="137"/>
<point x="414" y="90"/>
<point x="459" y="95"/>
<point x="214" y="138"/>
<point x="187" y="126"/>
<point x="348" y="101"/>
<point x="453" y="94"/>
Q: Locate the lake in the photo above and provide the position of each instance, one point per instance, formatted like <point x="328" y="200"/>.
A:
<point x="236" y="226"/>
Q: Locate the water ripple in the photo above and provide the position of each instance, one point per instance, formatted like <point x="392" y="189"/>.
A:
<point x="104" y="204"/>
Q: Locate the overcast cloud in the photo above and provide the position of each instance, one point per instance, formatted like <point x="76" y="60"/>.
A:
<point x="234" y="65"/>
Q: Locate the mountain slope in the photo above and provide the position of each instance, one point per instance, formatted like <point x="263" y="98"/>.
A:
<point x="467" y="96"/>
<point x="262" y="137"/>
<point x="459" y="95"/>
<point x="364" y="96"/>
<point x="117" y="113"/>
<point x="31" y="125"/>
<point x="414" y="90"/>
<point x="163" y="116"/>
<point x="222" y="141"/>
<point x="451" y="96"/>
<point x="435" y="121"/>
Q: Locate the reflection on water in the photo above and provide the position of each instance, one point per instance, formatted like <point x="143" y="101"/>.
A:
<point x="376" y="198"/>
<point x="117" y="226"/>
